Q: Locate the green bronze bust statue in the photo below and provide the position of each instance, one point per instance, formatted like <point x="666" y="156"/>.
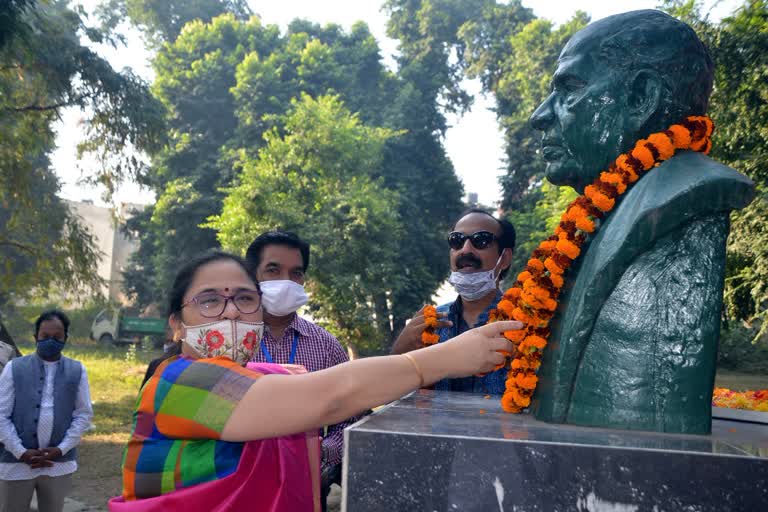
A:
<point x="634" y="341"/>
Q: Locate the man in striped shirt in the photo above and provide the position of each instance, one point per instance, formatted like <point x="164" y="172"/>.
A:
<point x="280" y="260"/>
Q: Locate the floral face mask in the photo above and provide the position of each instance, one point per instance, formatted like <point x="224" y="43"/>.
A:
<point x="234" y="339"/>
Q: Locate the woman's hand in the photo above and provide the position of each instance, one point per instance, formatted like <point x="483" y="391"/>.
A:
<point x="478" y="350"/>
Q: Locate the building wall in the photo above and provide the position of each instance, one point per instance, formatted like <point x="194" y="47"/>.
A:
<point x="114" y="246"/>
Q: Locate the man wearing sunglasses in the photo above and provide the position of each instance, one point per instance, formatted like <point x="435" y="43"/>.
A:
<point x="280" y="260"/>
<point x="480" y="252"/>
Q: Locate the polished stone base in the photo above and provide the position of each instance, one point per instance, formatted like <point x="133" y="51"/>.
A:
<point x="456" y="451"/>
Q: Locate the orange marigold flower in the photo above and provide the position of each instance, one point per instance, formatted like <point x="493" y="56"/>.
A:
<point x="519" y="363"/>
<point x="643" y="154"/>
<point x="521" y="316"/>
<point x="535" y="341"/>
<point x="515" y="336"/>
<point x="622" y="164"/>
<point x="430" y="321"/>
<point x="614" y="179"/>
<point x="552" y="267"/>
<point x="681" y="136"/>
<point x="512" y="294"/>
<point x="520" y="399"/>
<point x="429" y="338"/>
<point x="600" y="200"/>
<point x="526" y="381"/>
<point x="568" y="248"/>
<point x="699" y="145"/>
<point x="523" y="276"/>
<point x="536" y="265"/>
<point x="547" y="245"/>
<point x="506" y="307"/>
<point x="508" y="403"/>
<point x="663" y="145"/>
<point x="585" y="224"/>
<point x="557" y="280"/>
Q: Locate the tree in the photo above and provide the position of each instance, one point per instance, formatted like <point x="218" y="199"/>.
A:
<point x="318" y="176"/>
<point x="44" y="68"/>
<point x="227" y="83"/>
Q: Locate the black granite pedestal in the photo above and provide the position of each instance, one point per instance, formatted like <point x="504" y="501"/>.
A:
<point x="455" y="451"/>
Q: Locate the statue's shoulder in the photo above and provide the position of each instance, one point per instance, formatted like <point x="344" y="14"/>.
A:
<point x="698" y="177"/>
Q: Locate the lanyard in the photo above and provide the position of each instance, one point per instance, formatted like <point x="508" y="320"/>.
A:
<point x="291" y="358"/>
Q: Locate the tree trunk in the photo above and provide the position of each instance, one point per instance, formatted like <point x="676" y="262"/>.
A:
<point x="352" y="352"/>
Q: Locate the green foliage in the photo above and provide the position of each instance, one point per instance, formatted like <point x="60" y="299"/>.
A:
<point x="739" y="108"/>
<point x="514" y="55"/>
<point x="537" y="223"/>
<point x="227" y="87"/>
<point x="161" y="21"/>
<point x="737" y="352"/>
<point x="319" y="179"/>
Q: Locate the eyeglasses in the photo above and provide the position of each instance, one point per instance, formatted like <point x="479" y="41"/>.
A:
<point x="212" y="304"/>
<point x="480" y="239"/>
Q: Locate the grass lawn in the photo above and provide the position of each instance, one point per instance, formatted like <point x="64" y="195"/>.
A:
<point x="114" y="376"/>
<point x="741" y="381"/>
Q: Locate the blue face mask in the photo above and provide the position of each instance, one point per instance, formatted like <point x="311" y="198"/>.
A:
<point x="49" y="348"/>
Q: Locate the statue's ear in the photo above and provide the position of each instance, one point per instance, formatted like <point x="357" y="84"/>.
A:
<point x="644" y="97"/>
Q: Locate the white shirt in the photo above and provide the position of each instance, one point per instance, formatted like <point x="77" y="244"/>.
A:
<point x="81" y="421"/>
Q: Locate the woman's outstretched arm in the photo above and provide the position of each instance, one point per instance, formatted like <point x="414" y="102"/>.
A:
<point x="277" y="405"/>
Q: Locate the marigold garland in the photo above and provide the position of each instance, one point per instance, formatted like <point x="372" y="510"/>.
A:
<point x="751" y="400"/>
<point x="429" y="337"/>
<point x="533" y="299"/>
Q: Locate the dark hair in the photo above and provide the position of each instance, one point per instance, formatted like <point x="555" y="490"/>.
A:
<point x="187" y="273"/>
<point x="507" y="238"/>
<point x="276" y="237"/>
<point x="50" y="315"/>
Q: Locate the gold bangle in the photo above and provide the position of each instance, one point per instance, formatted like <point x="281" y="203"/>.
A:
<point x="417" y="368"/>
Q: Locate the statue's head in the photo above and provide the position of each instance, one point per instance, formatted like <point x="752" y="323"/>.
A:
<point x="618" y="80"/>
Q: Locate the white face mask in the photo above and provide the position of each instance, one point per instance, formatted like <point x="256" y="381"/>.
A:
<point x="473" y="286"/>
<point x="234" y="339"/>
<point x="282" y="297"/>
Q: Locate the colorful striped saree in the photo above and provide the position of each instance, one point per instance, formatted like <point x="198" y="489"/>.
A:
<point x="175" y="459"/>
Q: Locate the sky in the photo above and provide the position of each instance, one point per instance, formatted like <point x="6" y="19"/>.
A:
<point x="473" y="142"/>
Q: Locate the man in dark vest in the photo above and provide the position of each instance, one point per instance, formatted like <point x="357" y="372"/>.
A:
<point x="634" y="341"/>
<point x="45" y="407"/>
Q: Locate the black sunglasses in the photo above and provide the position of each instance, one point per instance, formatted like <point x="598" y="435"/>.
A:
<point x="480" y="240"/>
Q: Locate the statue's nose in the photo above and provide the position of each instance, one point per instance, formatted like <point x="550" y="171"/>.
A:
<point x="543" y="116"/>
